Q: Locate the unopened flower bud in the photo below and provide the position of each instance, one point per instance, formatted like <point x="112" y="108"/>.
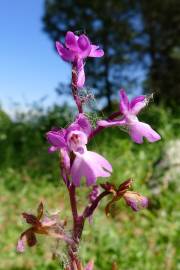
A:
<point x="135" y="200"/>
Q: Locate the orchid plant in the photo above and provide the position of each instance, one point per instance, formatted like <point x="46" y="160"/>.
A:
<point x="77" y="162"/>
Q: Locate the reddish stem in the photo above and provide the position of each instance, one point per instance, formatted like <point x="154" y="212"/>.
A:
<point x="72" y="196"/>
<point x="90" y="209"/>
<point x="72" y="248"/>
<point x="75" y="89"/>
<point x="78" y="221"/>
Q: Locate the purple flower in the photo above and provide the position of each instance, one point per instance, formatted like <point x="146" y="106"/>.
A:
<point x="86" y="163"/>
<point x="129" y="110"/>
<point x="135" y="200"/>
<point x="89" y="165"/>
<point x="76" y="49"/>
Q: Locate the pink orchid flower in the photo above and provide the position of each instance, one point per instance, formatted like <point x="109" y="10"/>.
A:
<point x="86" y="163"/>
<point x="76" y="49"/>
<point x="137" y="130"/>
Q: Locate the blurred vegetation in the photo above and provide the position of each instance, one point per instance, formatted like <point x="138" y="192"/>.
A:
<point x="140" y="241"/>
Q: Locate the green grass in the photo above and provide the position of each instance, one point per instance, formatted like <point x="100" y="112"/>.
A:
<point x="147" y="240"/>
<point x="144" y="240"/>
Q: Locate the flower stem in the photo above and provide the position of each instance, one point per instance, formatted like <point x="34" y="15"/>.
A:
<point x="90" y="209"/>
<point x="78" y="221"/>
<point x="78" y="224"/>
<point x="72" y="196"/>
<point x="75" y="89"/>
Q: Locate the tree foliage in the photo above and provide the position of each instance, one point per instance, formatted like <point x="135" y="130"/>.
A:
<point x="160" y="46"/>
<point x="138" y="34"/>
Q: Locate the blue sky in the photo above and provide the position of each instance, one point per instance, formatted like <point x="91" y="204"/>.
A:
<point x="29" y="67"/>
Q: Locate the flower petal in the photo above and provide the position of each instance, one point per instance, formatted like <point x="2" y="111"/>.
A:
<point x="71" y="41"/>
<point x="20" y="245"/>
<point x="138" y="130"/>
<point x="81" y="169"/>
<point x="65" y="54"/>
<point x="90" y="165"/>
<point x="137" y="104"/>
<point x="95" y="51"/>
<point x="26" y="237"/>
<point x="124" y="102"/>
<point x="31" y="238"/>
<point x="84" y="46"/>
<point x="56" y="138"/>
<point x="84" y="124"/>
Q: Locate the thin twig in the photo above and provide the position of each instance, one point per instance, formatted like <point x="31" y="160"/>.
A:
<point x="90" y="209"/>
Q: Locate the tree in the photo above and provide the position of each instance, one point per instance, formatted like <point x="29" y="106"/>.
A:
<point x="106" y="23"/>
<point x="159" y="46"/>
<point x="139" y="34"/>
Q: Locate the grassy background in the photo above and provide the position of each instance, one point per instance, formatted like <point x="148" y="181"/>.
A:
<point x="147" y="240"/>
